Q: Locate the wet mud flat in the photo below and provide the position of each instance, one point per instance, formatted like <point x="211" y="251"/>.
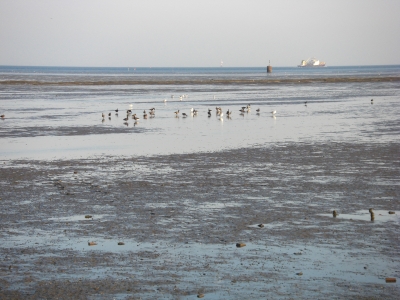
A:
<point x="198" y="80"/>
<point x="179" y="218"/>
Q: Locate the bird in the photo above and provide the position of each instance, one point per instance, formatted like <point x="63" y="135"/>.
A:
<point x="273" y="112"/>
<point x="372" y="101"/>
<point x="177" y="113"/>
<point x="2" y="116"/>
<point x="109" y="114"/>
<point x="165" y="100"/>
<point x="144" y="115"/>
<point x="257" y="110"/>
<point x="102" y="115"/>
<point x="135" y="117"/>
<point x="194" y="112"/>
<point x="184" y="115"/>
<point x="116" y="110"/>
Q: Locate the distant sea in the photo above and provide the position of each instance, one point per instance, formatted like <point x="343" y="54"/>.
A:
<point x="219" y="72"/>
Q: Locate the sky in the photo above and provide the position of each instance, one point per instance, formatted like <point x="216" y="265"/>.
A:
<point x="198" y="33"/>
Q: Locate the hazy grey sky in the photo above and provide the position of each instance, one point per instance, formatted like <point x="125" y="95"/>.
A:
<point x="189" y="33"/>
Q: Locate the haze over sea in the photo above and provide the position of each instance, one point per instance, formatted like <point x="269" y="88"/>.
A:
<point x="56" y="112"/>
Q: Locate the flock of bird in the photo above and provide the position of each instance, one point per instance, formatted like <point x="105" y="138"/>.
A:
<point x="193" y="112"/>
<point x="151" y="114"/>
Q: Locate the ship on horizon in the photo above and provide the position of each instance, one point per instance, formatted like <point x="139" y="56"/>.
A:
<point x="311" y="62"/>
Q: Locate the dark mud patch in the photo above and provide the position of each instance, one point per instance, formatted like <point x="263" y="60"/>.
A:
<point x="200" y="81"/>
<point x="181" y="216"/>
<point x="34" y="131"/>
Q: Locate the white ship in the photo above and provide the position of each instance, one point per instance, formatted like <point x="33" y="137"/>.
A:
<point x="312" y="62"/>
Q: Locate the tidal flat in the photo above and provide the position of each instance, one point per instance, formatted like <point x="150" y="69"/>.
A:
<point x="180" y="217"/>
<point x="257" y="205"/>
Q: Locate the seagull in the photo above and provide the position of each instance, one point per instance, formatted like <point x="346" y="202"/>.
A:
<point x="165" y="100"/>
<point x="273" y="112"/>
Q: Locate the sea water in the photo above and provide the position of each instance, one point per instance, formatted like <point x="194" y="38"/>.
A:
<point x="48" y="119"/>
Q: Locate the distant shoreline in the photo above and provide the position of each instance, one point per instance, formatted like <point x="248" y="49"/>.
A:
<point x="202" y="81"/>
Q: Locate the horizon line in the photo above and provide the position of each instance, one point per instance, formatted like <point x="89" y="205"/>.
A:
<point x="209" y="67"/>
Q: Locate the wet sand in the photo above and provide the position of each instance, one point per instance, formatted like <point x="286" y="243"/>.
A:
<point x="200" y="81"/>
<point x="181" y="216"/>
